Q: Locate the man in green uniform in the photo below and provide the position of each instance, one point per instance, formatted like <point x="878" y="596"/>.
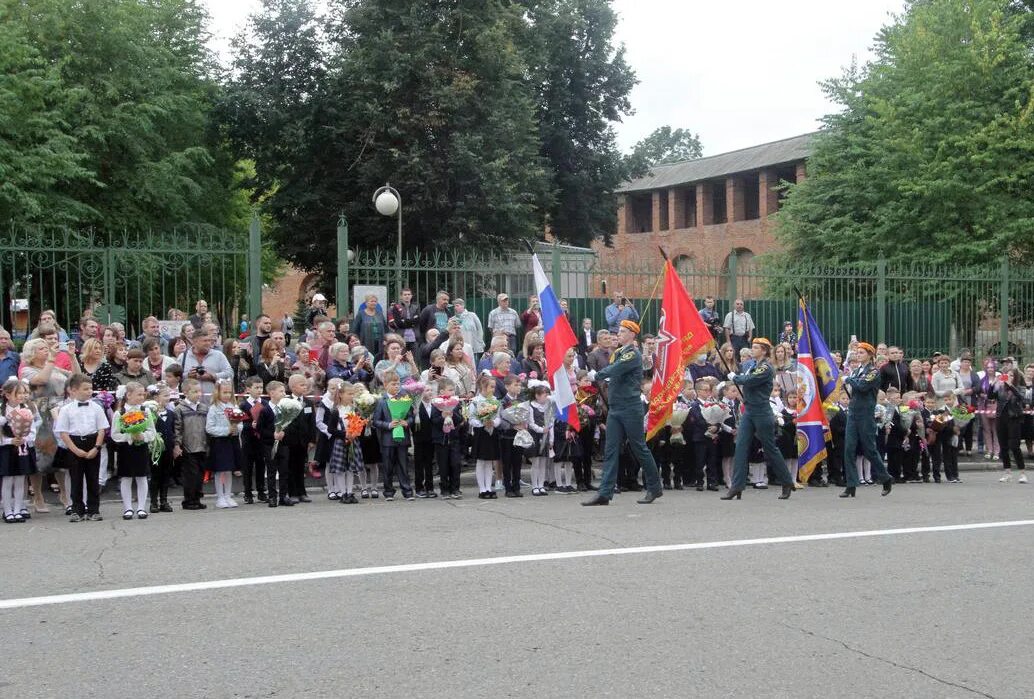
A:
<point x="863" y="384"/>
<point x="625" y="418"/>
<point x="758" y="420"/>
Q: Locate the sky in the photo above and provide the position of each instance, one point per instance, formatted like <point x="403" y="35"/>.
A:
<point x="735" y="72"/>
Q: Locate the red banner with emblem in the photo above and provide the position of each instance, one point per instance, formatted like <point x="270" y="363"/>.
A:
<point x="681" y="335"/>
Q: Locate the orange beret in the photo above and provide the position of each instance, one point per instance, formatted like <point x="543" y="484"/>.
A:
<point x="761" y="341"/>
<point x="630" y="325"/>
<point x="868" y="348"/>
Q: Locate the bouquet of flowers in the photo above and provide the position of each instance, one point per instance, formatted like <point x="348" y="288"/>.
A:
<point x="446" y="406"/>
<point x="365" y="403"/>
<point x="284" y="414"/>
<point x="20" y="421"/>
<point x="156" y="446"/>
<point x="963" y="414"/>
<point x="519" y="415"/>
<point x="678" y="416"/>
<point x="354" y="426"/>
<point x="909" y="413"/>
<point x="399" y="408"/>
<point x="105" y="398"/>
<point x="831" y="409"/>
<point x="413" y="388"/>
<point x="486" y="411"/>
<point x="585" y="413"/>
<point x="236" y="415"/>
<point x="940" y="421"/>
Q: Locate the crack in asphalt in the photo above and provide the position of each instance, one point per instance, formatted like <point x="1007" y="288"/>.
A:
<point x="920" y="671"/>
<point x="119" y="534"/>
<point x="530" y="520"/>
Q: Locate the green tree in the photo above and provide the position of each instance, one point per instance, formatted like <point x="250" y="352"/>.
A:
<point x="932" y="157"/>
<point x="131" y="88"/>
<point x="581" y="83"/>
<point x="664" y="145"/>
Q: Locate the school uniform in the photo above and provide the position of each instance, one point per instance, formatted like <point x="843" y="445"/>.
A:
<point x="192" y="440"/>
<point x="448" y="449"/>
<point x="277" y="461"/>
<point x="256" y="447"/>
<point x="395" y="454"/>
<point x="16" y="462"/>
<point x="298" y="435"/>
<point x="165" y="425"/>
<point x="897" y="439"/>
<point x="707" y="458"/>
<point x="84" y="422"/>
<point x="835" y="455"/>
<point x="933" y="458"/>
<point x="540" y="426"/>
<point x="224" y="446"/>
<point x="511" y="457"/>
<point x="423" y="450"/>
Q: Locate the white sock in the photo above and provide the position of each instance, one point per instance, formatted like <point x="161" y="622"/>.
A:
<point x="558" y="473"/>
<point x="483" y="473"/>
<point x="568" y="473"/>
<point x="126" y="486"/>
<point x="141" y="493"/>
<point x="375" y="476"/>
<point x="7" y="494"/>
<point x="19" y="493"/>
<point x="538" y="472"/>
<point x="102" y="474"/>
<point x="349" y="480"/>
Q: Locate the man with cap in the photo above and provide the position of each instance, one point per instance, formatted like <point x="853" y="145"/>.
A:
<point x="758" y="421"/>
<point x="625" y="418"/>
<point x="863" y="384"/>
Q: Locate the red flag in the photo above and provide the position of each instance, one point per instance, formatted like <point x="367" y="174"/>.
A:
<point x="681" y="336"/>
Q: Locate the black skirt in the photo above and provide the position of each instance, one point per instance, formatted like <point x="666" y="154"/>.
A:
<point x="371" y="448"/>
<point x="486" y="446"/>
<point x="224" y="454"/>
<point x="134" y="460"/>
<point x="13" y="464"/>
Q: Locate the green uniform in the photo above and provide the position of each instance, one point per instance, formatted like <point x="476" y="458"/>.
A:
<point x="861" y="425"/>
<point x="625" y="420"/>
<point x="758" y="421"/>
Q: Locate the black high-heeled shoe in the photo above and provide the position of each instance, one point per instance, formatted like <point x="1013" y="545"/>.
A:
<point x="848" y="492"/>
<point x="887" y="485"/>
<point x="733" y="495"/>
<point x="787" y="490"/>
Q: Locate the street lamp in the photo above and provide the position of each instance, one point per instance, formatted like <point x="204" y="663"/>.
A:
<point x="388" y="201"/>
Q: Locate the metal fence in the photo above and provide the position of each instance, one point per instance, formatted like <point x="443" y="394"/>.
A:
<point x="923" y="309"/>
<point x="126" y="276"/>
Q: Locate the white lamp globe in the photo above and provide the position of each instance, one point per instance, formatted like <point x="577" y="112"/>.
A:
<point x="386" y="203"/>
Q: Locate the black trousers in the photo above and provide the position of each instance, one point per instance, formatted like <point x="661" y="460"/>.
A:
<point x="160" y="475"/>
<point x="707" y="462"/>
<point x="896" y="463"/>
<point x="277" y="465"/>
<point x="935" y="450"/>
<point x="450" y="459"/>
<point x="395" y="464"/>
<point x="583" y="464"/>
<point x="79" y="468"/>
<point x="255" y="466"/>
<point x="1008" y="430"/>
<point x="910" y="464"/>
<point x="512" y="457"/>
<point x="191" y="476"/>
<point x="951" y="460"/>
<point x="297" y="454"/>
<point x="423" y="467"/>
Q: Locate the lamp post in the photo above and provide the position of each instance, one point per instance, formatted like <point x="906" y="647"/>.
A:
<point x="388" y="202"/>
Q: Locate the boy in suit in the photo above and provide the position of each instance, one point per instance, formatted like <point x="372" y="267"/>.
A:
<point x="394" y="454"/>
<point x="423" y="446"/>
<point x="256" y="440"/>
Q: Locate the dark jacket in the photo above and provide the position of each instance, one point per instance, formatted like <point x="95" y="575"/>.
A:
<point x="427" y="320"/>
<point x="262" y="433"/>
<point x="382" y="421"/>
<point x="422" y="428"/>
<point x="438" y="435"/>
<point x="302" y="430"/>
<point x="896" y="375"/>
<point x="403" y="317"/>
<point x="165" y="426"/>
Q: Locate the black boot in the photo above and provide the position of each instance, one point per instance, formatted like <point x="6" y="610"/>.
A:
<point x="733" y="494"/>
<point x="887" y="485"/>
<point x="848" y="492"/>
<point x="787" y="491"/>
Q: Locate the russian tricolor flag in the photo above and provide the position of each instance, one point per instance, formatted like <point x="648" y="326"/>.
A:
<point x="559" y="337"/>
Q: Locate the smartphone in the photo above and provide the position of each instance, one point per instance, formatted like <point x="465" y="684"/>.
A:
<point x="314" y="355"/>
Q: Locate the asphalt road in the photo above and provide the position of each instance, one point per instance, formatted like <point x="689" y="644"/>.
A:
<point x="943" y="614"/>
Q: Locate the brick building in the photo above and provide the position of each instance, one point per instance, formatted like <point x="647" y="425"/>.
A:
<point x="701" y="211"/>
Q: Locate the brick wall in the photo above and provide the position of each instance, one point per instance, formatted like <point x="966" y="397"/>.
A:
<point x="283" y="296"/>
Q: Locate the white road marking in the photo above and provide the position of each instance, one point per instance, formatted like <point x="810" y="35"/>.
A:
<point x="476" y="562"/>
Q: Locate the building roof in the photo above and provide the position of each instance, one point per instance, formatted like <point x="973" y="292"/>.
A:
<point x="787" y="150"/>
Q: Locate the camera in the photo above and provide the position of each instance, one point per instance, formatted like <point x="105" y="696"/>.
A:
<point x="200" y="370"/>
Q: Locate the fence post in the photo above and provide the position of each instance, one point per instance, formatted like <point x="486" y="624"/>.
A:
<point x="1003" y="303"/>
<point x="109" y="285"/>
<point x="341" y="288"/>
<point x="731" y="282"/>
<point x="555" y="282"/>
<point x="881" y="299"/>
<point x="254" y="268"/>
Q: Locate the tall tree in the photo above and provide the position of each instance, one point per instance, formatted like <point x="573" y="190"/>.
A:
<point x="932" y="157"/>
<point x="136" y="88"/>
<point x="664" y="145"/>
<point x="581" y="82"/>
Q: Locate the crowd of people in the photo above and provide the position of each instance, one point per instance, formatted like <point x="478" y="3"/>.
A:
<point x="402" y="394"/>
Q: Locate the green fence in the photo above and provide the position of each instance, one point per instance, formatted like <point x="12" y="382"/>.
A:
<point x="125" y="276"/>
<point x="923" y="309"/>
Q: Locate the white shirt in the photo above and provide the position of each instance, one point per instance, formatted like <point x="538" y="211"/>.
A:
<point x="738" y="323"/>
<point x="80" y="420"/>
